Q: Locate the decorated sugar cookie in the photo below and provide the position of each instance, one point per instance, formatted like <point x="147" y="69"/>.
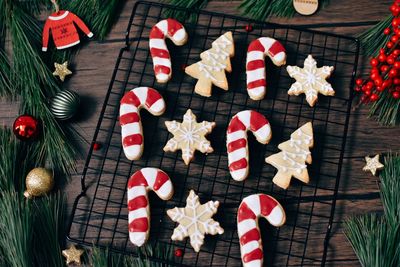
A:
<point x="311" y="80"/>
<point x="236" y="140"/>
<point x="255" y="65"/>
<point x="173" y="30"/>
<point x="305" y="7"/>
<point x="189" y="136"/>
<point x="129" y="118"/>
<point x="291" y="161"/>
<point x="139" y="184"/>
<point x="214" y="62"/>
<point x="250" y="210"/>
<point x="195" y="221"/>
<point x="373" y="164"/>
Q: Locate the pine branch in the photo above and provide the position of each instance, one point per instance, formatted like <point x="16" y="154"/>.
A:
<point x="189" y="5"/>
<point x="5" y="76"/>
<point x="390" y="189"/>
<point x="372" y="39"/>
<point x="386" y="109"/>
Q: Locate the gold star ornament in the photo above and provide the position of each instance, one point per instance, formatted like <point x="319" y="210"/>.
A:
<point x="73" y="255"/>
<point x="189" y="136"/>
<point x="310" y="80"/>
<point x="373" y="165"/>
<point x="61" y="70"/>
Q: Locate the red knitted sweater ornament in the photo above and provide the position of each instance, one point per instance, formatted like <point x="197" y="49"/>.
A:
<point x="62" y="25"/>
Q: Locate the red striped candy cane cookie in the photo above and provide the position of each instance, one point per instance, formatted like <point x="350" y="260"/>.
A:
<point x="138" y="202"/>
<point x="250" y="210"/>
<point x="255" y="64"/>
<point x="173" y="30"/>
<point x="236" y="140"/>
<point x="129" y="118"/>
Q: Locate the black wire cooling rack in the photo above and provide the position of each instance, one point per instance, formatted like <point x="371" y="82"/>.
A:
<point x="99" y="214"/>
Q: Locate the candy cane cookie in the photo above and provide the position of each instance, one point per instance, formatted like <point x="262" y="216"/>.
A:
<point x="139" y="184"/>
<point x="173" y="30"/>
<point x="250" y="210"/>
<point x="255" y="64"/>
<point x="236" y="140"/>
<point x="129" y="118"/>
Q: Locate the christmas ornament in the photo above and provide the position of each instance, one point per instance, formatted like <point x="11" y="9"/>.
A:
<point x="26" y="127"/>
<point x="178" y="252"/>
<point x="73" y="255"/>
<point x="305" y="7"/>
<point x="62" y="25"/>
<point x="65" y="105"/>
<point x="373" y="164"/>
<point x="61" y="70"/>
<point x="39" y="182"/>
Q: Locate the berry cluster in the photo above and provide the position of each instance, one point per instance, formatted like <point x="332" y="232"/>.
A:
<point x="385" y="72"/>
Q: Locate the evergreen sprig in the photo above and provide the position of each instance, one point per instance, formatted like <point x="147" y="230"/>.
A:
<point x="374" y="238"/>
<point x="189" y="5"/>
<point x="386" y="109"/>
<point x="373" y="39"/>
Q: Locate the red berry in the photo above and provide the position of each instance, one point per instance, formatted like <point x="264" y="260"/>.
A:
<point x="357" y="89"/>
<point x="368" y="92"/>
<point x="378" y="81"/>
<point x="359" y="81"/>
<point x="394" y="38"/>
<point x="396" y="81"/>
<point x="374" y="76"/>
<point x="178" y="252"/>
<point x="389" y="45"/>
<point x="382" y="57"/>
<point x="393" y="73"/>
<point x="384" y="68"/>
<point x="374" y="97"/>
<point x="395" y="22"/>
<point x="394" y="10"/>
<point x="369" y="85"/>
<point x="374" y="62"/>
<point x="396" y="95"/>
<point x="249" y="28"/>
<point x="386" y="84"/>
<point x="396" y="52"/>
<point x="390" y="60"/>
<point x="96" y="146"/>
<point x="386" y="31"/>
<point x="380" y="88"/>
<point x="382" y="51"/>
<point x="375" y="70"/>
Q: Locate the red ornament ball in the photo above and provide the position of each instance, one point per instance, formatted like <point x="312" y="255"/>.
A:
<point x="249" y="28"/>
<point x="26" y="127"/>
<point x="178" y="252"/>
<point x="96" y="146"/>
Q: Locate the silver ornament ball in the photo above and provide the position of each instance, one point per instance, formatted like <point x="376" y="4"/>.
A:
<point x="65" y="105"/>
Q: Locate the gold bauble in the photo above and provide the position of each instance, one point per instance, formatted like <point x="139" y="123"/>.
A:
<point x="39" y="182"/>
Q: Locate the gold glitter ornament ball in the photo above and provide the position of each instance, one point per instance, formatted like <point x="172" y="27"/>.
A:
<point x="39" y="182"/>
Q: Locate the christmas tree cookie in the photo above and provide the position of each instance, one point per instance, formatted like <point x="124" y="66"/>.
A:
<point x="291" y="161"/>
<point x="214" y="62"/>
<point x="310" y="80"/>
<point x="195" y="220"/>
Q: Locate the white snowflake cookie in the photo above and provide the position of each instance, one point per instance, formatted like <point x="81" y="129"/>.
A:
<point x="311" y="80"/>
<point x="189" y="136"/>
<point x="195" y="220"/>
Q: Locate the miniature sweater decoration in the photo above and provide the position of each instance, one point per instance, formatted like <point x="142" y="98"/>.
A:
<point x="62" y="25"/>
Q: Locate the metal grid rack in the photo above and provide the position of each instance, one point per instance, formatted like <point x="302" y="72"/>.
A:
<point x="99" y="214"/>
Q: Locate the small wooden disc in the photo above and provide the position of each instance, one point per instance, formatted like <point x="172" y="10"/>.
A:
<point x="305" y="7"/>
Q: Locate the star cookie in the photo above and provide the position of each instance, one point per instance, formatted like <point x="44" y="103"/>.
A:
<point x="195" y="220"/>
<point x="73" y="255"/>
<point x="189" y="136"/>
<point x="310" y="80"/>
<point x="373" y="164"/>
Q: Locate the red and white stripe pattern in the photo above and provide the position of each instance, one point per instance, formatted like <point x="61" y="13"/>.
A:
<point x="250" y="210"/>
<point x="129" y="118"/>
<point x="236" y="140"/>
<point x="173" y="30"/>
<point x="139" y="184"/>
<point x="255" y="64"/>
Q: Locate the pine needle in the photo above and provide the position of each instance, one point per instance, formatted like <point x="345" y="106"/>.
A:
<point x="390" y="188"/>
<point x="386" y="109"/>
<point x="373" y="39"/>
<point x="185" y="15"/>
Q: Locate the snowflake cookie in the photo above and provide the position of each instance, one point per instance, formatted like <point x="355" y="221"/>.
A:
<point x="195" y="220"/>
<point x="310" y="80"/>
<point x="189" y="136"/>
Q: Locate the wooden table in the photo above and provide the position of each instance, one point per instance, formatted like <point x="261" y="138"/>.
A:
<point x="94" y="64"/>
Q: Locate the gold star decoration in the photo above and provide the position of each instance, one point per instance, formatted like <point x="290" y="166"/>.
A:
<point x="373" y="164"/>
<point x="61" y="70"/>
<point x="189" y="136"/>
<point x="310" y="80"/>
<point x="73" y="255"/>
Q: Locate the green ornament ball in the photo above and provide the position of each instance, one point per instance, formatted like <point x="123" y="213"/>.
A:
<point x="65" y="105"/>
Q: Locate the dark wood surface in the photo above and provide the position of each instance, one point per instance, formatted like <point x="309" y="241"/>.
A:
<point x="93" y="68"/>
